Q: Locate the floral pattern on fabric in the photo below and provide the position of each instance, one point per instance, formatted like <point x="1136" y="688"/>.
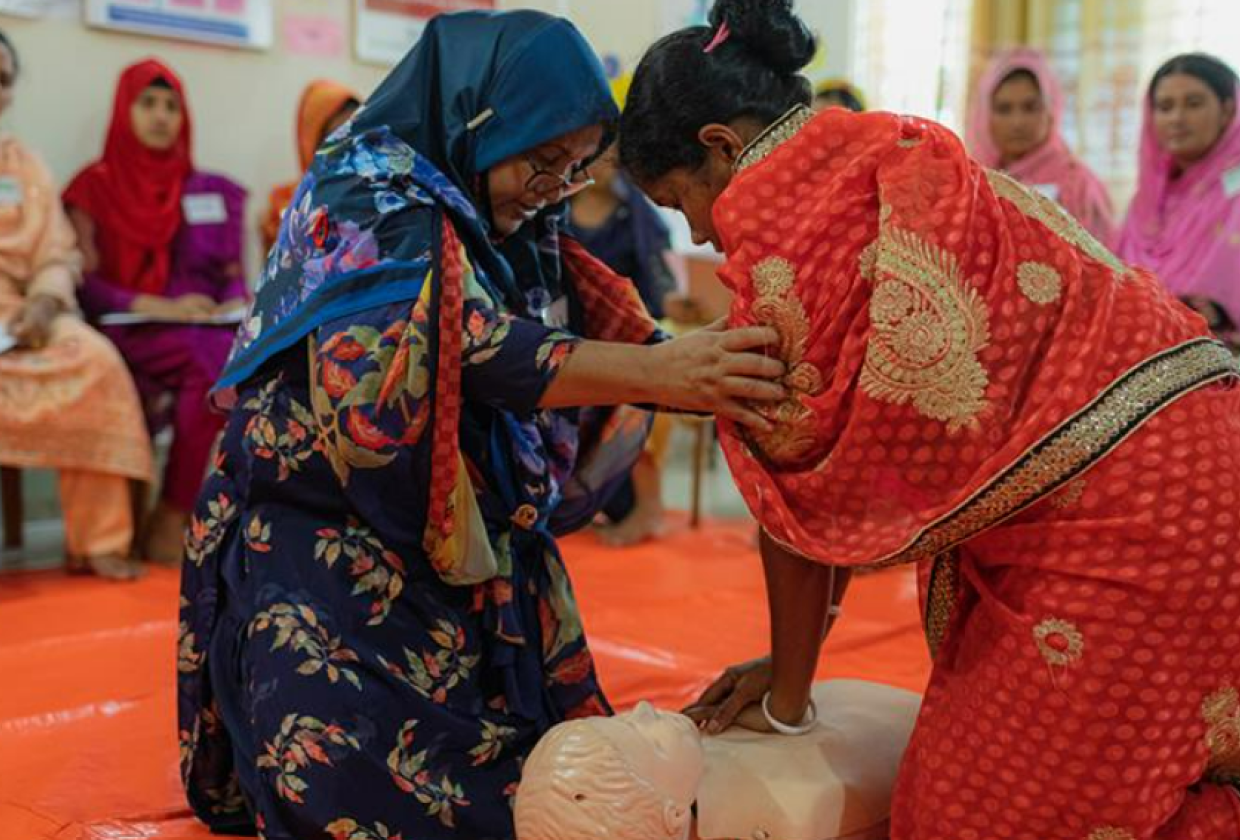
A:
<point x="314" y="626"/>
<point x="328" y="602"/>
<point x="374" y="576"/>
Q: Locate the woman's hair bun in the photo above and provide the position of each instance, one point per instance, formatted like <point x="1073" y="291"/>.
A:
<point x="770" y="29"/>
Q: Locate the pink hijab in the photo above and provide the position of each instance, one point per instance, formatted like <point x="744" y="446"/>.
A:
<point x="1052" y="167"/>
<point x="1187" y="229"/>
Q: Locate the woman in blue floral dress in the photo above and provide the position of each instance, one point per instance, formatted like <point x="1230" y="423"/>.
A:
<point x="376" y="624"/>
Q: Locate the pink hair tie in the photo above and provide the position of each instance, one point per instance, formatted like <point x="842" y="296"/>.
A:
<point x="722" y="35"/>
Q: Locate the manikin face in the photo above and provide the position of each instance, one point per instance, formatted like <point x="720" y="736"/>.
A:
<point x="661" y="747"/>
<point x="634" y="776"/>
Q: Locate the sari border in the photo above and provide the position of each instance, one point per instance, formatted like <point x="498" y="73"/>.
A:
<point x="942" y="596"/>
<point x="774" y="136"/>
<point x="1073" y="446"/>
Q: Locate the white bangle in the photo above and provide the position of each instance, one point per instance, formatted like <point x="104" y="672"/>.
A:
<point x="807" y="723"/>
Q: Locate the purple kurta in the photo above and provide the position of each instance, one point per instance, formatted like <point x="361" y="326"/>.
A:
<point x="183" y="362"/>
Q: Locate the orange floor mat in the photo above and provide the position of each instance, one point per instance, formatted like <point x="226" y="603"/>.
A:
<point x="87" y="736"/>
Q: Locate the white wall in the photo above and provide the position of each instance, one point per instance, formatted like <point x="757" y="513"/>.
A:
<point x="243" y="102"/>
<point x="626" y="27"/>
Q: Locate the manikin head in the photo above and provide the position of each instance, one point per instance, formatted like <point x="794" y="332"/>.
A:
<point x="629" y="777"/>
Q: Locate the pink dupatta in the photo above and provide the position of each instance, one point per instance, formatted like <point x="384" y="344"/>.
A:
<point x="1052" y="168"/>
<point x="1186" y="229"/>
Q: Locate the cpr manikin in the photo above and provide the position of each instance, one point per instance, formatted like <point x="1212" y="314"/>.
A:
<point x="636" y="776"/>
<point x="629" y="777"/>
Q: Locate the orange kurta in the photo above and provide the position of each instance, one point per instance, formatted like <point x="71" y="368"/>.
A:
<point x="71" y="405"/>
<point x="980" y="387"/>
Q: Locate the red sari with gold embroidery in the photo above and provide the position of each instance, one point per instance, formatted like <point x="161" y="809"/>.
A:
<point x="981" y="388"/>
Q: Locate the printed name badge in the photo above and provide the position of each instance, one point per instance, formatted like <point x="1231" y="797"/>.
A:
<point x="11" y="193"/>
<point x="204" y="209"/>
<point x="1051" y="191"/>
<point x="1231" y="182"/>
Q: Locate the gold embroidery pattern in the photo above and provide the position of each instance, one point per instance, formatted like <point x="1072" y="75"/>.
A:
<point x="1077" y="443"/>
<point x="1221" y="711"/>
<point x="1070" y="495"/>
<point x="1111" y="833"/>
<point x="943" y="594"/>
<point x="1039" y="282"/>
<point x="929" y="325"/>
<point x="1059" y="641"/>
<point x="775" y="135"/>
<point x="1037" y="206"/>
<point x="867" y="261"/>
<point x="778" y="306"/>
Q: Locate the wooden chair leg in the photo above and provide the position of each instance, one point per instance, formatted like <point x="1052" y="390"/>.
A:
<point x="701" y="435"/>
<point x="13" y="505"/>
<point x="138" y="493"/>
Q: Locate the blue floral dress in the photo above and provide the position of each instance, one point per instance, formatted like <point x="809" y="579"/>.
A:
<point x="332" y="681"/>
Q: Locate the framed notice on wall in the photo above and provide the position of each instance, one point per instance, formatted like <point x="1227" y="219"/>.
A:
<point x="234" y="23"/>
<point x="65" y="9"/>
<point x="386" y="29"/>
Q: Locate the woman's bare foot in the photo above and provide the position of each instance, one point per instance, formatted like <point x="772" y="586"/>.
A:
<point x="165" y="536"/>
<point x="644" y="523"/>
<point x="115" y="567"/>
<point x="107" y="566"/>
<point x="645" y="520"/>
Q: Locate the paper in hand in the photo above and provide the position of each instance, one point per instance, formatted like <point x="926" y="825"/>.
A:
<point x="231" y="318"/>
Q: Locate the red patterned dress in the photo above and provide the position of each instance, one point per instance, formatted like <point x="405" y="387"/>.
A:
<point x="981" y="388"/>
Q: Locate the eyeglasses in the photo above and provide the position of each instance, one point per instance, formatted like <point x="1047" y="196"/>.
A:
<point x="545" y="182"/>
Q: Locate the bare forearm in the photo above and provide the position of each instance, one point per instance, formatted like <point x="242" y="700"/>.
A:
<point x="714" y="371"/>
<point x="799" y="593"/>
<point x="602" y="373"/>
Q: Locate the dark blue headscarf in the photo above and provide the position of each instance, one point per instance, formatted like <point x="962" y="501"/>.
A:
<point x="364" y="227"/>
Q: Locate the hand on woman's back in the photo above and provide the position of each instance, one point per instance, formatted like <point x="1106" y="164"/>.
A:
<point x="721" y="371"/>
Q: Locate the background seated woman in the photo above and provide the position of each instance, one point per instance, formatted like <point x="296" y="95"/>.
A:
<point x="1184" y="222"/>
<point x="66" y="400"/>
<point x="162" y="239"/>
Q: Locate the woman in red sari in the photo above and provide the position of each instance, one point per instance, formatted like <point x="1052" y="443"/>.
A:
<point x="980" y="388"/>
